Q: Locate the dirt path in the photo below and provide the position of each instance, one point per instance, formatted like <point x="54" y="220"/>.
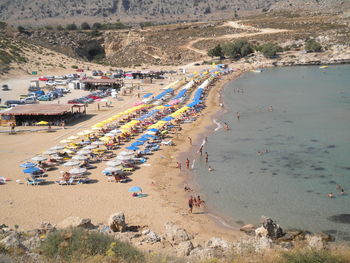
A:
<point x="234" y="24"/>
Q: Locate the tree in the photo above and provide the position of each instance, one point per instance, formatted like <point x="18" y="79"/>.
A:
<point x="312" y="45"/>
<point x="237" y="49"/>
<point x="71" y="27"/>
<point x="96" y="26"/>
<point x="269" y="50"/>
<point x="216" y="52"/>
<point x="85" y="26"/>
<point x="3" y="25"/>
<point x="21" y="29"/>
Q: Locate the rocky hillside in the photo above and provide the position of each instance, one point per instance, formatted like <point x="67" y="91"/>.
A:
<point x="54" y="11"/>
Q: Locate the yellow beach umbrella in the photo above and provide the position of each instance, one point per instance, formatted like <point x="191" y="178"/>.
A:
<point x="42" y="123"/>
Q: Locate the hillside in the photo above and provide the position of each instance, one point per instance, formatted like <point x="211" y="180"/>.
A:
<point x="32" y="12"/>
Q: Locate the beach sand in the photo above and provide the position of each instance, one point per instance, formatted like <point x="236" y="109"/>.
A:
<point x="28" y="206"/>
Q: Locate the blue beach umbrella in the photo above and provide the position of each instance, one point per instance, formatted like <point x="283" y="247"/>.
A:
<point x="137" y="143"/>
<point x="143" y="139"/>
<point x="31" y="170"/>
<point x="135" y="189"/>
<point x="133" y="148"/>
<point x="153" y="130"/>
<point x="148" y="136"/>
<point x="27" y="165"/>
<point x="169" y="118"/>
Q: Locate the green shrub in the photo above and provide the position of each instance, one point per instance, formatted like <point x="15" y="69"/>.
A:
<point x="237" y="49"/>
<point x="269" y="50"/>
<point x="312" y="46"/>
<point x="309" y="256"/>
<point x="85" y="26"/>
<point x="216" y="52"/>
<point x="78" y="244"/>
<point x="71" y="27"/>
<point x="74" y="66"/>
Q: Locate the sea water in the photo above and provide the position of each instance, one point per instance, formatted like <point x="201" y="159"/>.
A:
<point x="288" y="150"/>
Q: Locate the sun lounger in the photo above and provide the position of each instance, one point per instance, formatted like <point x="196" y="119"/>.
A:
<point x="170" y="142"/>
<point x="128" y="169"/>
<point x="61" y="182"/>
<point x="34" y="182"/>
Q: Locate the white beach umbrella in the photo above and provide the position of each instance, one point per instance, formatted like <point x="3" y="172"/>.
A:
<point x="39" y="158"/>
<point x="114" y="163"/>
<point x="123" y="158"/>
<point x="116" y="131"/>
<point x="80" y="157"/>
<point x="110" y="134"/>
<point x="77" y="170"/>
<point x="111" y="169"/>
<point x="72" y="137"/>
<point x="97" y="143"/>
<point x="65" y="141"/>
<point x="90" y="147"/>
<point x="125" y="153"/>
<point x="56" y="148"/>
<point x="57" y="157"/>
<point x="71" y="163"/>
<point x="83" y="152"/>
<point x="50" y="152"/>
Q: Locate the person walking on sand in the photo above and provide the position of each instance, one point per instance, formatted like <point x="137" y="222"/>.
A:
<point x="201" y="150"/>
<point x="238" y="115"/>
<point x="178" y="165"/>
<point x="187" y="163"/>
<point x="190" y="204"/>
<point x="199" y="201"/>
<point x="206" y="157"/>
<point x="190" y="140"/>
<point x="226" y="127"/>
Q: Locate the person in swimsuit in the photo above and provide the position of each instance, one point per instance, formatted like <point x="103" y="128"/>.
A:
<point x="206" y="157"/>
<point x="190" y="204"/>
<point x="187" y="163"/>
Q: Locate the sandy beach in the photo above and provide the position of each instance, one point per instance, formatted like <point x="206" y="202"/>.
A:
<point x="28" y="206"/>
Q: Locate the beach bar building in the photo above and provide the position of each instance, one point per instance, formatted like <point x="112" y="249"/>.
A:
<point x="102" y="84"/>
<point x="55" y="114"/>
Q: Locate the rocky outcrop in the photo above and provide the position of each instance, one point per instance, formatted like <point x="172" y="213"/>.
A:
<point x="75" y="221"/>
<point x="175" y="234"/>
<point x="269" y="229"/>
<point x="116" y="222"/>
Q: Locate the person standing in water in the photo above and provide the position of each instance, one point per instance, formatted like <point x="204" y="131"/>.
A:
<point x="201" y="150"/>
<point x="238" y="115"/>
<point x="206" y="157"/>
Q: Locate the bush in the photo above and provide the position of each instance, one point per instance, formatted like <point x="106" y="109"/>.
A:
<point x="237" y="49"/>
<point x="310" y="257"/>
<point x="85" y="26"/>
<point x="312" y="46"/>
<point x="74" y="66"/>
<point x="216" y="52"/>
<point x="60" y="28"/>
<point x="96" y="26"/>
<point x="71" y="27"/>
<point x="3" y="25"/>
<point x="269" y="50"/>
<point x="78" y="244"/>
<point x="21" y="29"/>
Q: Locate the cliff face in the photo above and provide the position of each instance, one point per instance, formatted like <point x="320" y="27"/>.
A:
<point x="54" y="11"/>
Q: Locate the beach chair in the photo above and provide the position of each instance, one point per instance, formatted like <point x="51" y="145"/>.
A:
<point x="128" y="169"/>
<point x="169" y="143"/>
<point x="71" y="181"/>
<point x="34" y="181"/>
<point x="61" y="182"/>
<point x="155" y="148"/>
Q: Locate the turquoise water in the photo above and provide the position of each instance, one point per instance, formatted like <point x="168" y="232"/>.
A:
<point x="307" y="137"/>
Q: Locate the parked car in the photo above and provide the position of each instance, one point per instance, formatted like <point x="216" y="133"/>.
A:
<point x="45" y="98"/>
<point x="51" y="83"/>
<point x="36" y="93"/>
<point x="13" y="102"/>
<point x="29" y="100"/>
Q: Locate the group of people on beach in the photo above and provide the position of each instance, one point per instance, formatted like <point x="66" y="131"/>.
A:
<point x="195" y="201"/>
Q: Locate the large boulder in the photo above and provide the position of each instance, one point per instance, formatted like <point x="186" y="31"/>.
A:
<point x="152" y="237"/>
<point x="274" y="231"/>
<point x="46" y="228"/>
<point x="218" y="243"/>
<point x="248" y="229"/>
<point x="116" y="222"/>
<point x="13" y="240"/>
<point x="261" y="232"/>
<point x="184" y="248"/>
<point x="175" y="234"/>
<point x="315" y="242"/>
<point x="74" y="221"/>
